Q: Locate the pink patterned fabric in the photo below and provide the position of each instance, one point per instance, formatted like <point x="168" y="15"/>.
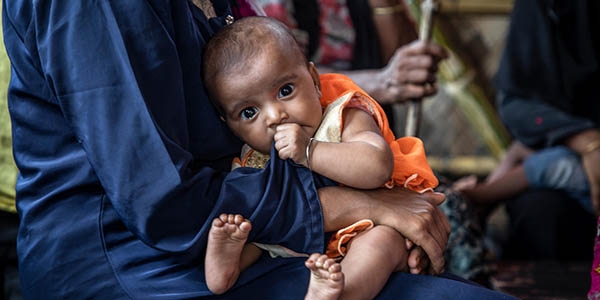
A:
<point x="594" y="293"/>
<point x="244" y="9"/>
<point x="337" y="36"/>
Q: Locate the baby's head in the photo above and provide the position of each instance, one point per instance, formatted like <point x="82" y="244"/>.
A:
<point x="258" y="77"/>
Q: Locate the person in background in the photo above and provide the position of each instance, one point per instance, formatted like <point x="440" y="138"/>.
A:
<point x="522" y="169"/>
<point x="548" y="99"/>
<point x="124" y="163"/>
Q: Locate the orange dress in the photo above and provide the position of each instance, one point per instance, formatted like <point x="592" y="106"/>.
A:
<point x="411" y="169"/>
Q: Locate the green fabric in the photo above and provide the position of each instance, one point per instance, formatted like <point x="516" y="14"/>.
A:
<point x="8" y="170"/>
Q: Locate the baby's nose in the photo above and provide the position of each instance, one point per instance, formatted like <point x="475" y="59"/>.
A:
<point x="276" y="115"/>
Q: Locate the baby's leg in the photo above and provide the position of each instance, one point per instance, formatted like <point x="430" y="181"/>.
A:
<point x="226" y="240"/>
<point x="371" y="258"/>
<point x="326" y="278"/>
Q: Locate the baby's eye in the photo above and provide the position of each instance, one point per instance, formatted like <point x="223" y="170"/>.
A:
<point x="286" y="90"/>
<point x="248" y="113"/>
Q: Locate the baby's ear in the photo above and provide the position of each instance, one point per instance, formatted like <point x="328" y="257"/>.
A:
<point x="315" y="76"/>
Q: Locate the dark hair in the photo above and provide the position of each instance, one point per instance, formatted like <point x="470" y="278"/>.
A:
<point x="236" y="44"/>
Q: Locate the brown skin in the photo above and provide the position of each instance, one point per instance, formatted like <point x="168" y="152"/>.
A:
<point x="326" y="278"/>
<point x="395" y="29"/>
<point x="416" y="216"/>
<point x="272" y="97"/>
<point x="362" y="159"/>
<point x="276" y="98"/>
<point x="590" y="160"/>
<point x="506" y="181"/>
<point x="409" y="74"/>
<point x="510" y="179"/>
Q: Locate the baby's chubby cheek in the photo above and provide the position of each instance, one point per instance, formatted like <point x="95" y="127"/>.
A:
<point x="263" y="144"/>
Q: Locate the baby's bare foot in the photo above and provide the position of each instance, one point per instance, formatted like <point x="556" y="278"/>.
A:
<point x="226" y="241"/>
<point x="326" y="278"/>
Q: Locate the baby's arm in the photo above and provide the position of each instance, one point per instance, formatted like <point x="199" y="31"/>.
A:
<point x="363" y="159"/>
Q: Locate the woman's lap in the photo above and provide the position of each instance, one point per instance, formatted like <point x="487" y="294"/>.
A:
<point x="291" y="281"/>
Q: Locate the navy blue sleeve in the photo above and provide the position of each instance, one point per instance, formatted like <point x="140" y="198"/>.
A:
<point x="107" y="95"/>
<point x="536" y="123"/>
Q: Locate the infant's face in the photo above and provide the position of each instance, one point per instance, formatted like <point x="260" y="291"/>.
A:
<point x="269" y="91"/>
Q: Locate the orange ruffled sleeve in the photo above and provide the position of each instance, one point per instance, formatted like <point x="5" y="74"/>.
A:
<point x="338" y="242"/>
<point x="411" y="168"/>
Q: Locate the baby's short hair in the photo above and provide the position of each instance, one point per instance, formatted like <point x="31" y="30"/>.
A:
<point x="236" y="44"/>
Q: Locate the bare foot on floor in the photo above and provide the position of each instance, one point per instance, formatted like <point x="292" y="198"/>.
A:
<point x="326" y="278"/>
<point x="226" y="241"/>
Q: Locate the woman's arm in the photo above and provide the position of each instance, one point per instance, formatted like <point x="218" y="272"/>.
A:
<point x="415" y="216"/>
<point x="403" y="77"/>
<point x="394" y="24"/>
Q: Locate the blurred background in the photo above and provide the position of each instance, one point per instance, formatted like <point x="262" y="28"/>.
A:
<point x="464" y="135"/>
<point x="9" y="281"/>
<point x="459" y="125"/>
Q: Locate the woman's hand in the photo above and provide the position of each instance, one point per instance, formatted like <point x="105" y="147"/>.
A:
<point x="410" y="73"/>
<point x="416" y="216"/>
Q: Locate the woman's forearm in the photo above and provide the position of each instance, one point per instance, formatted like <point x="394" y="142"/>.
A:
<point x="415" y="216"/>
<point x="341" y="207"/>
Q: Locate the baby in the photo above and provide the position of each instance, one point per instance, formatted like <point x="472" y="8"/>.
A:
<point x="269" y="94"/>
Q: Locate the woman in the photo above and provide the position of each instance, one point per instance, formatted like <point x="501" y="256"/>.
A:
<point x="122" y="163"/>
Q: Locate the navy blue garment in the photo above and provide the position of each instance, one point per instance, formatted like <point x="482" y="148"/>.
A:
<point x="548" y="81"/>
<point x="550" y="70"/>
<point x="123" y="162"/>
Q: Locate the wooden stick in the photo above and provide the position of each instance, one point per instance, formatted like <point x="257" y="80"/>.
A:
<point x="413" y="113"/>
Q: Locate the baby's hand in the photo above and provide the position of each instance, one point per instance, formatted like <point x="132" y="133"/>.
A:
<point x="290" y="142"/>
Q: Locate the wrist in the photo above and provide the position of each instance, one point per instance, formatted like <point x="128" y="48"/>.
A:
<point x="386" y="7"/>
<point x="388" y="10"/>
<point x="382" y="3"/>
<point x="309" y="150"/>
